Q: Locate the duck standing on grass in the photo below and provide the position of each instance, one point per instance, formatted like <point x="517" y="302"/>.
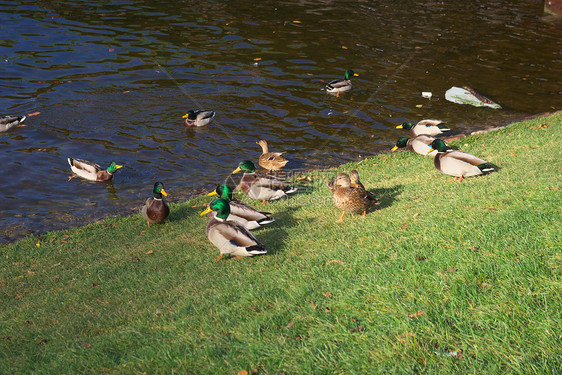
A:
<point x="240" y="211"/>
<point x="9" y="121"/>
<point x="340" y="85"/>
<point x="458" y="163"/>
<point x="428" y="127"/>
<point x="196" y="118"/>
<point x="229" y="236"/>
<point x="420" y="144"/>
<point x="156" y="210"/>
<point x="92" y="171"/>
<point x="350" y="199"/>
<point x="262" y="187"/>
<point x="272" y="161"/>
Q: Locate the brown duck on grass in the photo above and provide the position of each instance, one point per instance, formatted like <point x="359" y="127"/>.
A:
<point x="351" y="199"/>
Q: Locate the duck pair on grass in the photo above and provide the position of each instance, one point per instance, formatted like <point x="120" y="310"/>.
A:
<point x="456" y="163"/>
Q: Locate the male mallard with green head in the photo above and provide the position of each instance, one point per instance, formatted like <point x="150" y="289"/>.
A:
<point x="241" y="212"/>
<point x="229" y="236"/>
<point x="156" y="210"/>
<point x="420" y="144"/>
<point x="340" y="85"/>
<point x="92" y="171"/>
<point x="262" y="187"/>
<point x="458" y="163"/>
<point x="196" y="118"/>
<point x="428" y="127"/>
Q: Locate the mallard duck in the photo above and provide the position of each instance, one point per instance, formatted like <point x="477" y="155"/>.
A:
<point x="91" y="171"/>
<point x="428" y="127"/>
<point x="9" y="121"/>
<point x="229" y="236"/>
<point x="271" y="160"/>
<point x="262" y="187"/>
<point x="354" y="179"/>
<point x="458" y="163"/>
<point x="340" y="85"/>
<point x="420" y="144"/>
<point x="240" y="211"/>
<point x="351" y="199"/>
<point x="156" y="210"/>
<point x="196" y="118"/>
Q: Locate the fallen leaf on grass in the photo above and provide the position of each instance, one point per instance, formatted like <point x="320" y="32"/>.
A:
<point x="94" y="285"/>
<point x="149" y="252"/>
<point x="357" y="329"/>
<point x="313" y="304"/>
<point x="327" y="294"/>
<point x="334" y="261"/>
<point x="243" y="372"/>
<point x="418" y="313"/>
<point x="41" y="341"/>
<point x="85" y="344"/>
<point x="290" y="324"/>
<point x="415" y="215"/>
<point x="405" y="226"/>
<point x="254" y="308"/>
<point x="403" y="336"/>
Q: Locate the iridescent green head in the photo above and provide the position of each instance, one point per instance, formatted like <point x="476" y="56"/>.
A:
<point x="113" y="167"/>
<point x="246" y="166"/>
<point x="349" y="73"/>
<point x="191" y="114"/>
<point x="439" y="145"/>
<point x="220" y="206"/>
<point x="405" y="125"/>
<point x="402" y="142"/>
<point x="223" y="191"/>
<point x="158" y="190"/>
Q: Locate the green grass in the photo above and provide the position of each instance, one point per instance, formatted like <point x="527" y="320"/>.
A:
<point x="473" y="269"/>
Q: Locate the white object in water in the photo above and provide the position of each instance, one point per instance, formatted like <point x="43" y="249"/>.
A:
<point x="467" y="95"/>
<point x="427" y="94"/>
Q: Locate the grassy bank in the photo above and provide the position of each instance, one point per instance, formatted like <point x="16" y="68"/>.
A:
<point x="442" y="277"/>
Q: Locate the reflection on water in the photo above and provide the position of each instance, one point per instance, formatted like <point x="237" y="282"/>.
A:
<point x="112" y="79"/>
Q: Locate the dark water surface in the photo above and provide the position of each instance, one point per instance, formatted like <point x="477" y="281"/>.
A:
<point x="111" y="80"/>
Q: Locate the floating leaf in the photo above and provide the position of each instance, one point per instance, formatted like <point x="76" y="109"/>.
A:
<point x="297" y="21"/>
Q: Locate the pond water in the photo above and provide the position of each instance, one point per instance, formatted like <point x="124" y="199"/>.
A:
<point x="111" y="80"/>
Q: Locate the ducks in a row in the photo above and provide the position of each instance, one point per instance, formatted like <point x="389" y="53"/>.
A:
<point x="456" y="163"/>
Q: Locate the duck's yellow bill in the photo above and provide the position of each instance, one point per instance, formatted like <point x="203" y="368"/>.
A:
<point x="163" y="192"/>
<point x="185" y="116"/>
<point x="206" y="211"/>
<point x="399" y="126"/>
<point x="430" y="149"/>
<point x="117" y="166"/>
<point x="214" y="192"/>
<point x="394" y="149"/>
<point x="355" y="74"/>
<point x="237" y="170"/>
